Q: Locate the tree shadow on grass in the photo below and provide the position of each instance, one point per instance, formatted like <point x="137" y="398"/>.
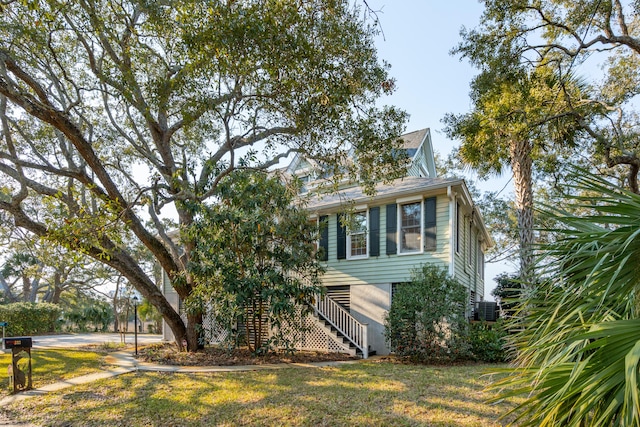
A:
<point x="363" y="394"/>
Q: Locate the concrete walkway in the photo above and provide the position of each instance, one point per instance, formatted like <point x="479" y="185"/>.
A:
<point x="124" y="363"/>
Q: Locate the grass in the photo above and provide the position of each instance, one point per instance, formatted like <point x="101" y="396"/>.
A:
<point x="360" y="394"/>
<point x="50" y="366"/>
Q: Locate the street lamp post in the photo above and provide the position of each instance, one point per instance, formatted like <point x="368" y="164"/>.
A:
<point x="135" y="322"/>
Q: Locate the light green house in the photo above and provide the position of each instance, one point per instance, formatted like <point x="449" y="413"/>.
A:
<point x="411" y="221"/>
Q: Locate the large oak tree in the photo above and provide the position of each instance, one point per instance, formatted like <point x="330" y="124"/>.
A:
<point x="117" y="114"/>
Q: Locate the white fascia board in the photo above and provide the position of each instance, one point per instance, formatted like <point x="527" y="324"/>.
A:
<point x="388" y="197"/>
<point x="429" y="155"/>
<point x="468" y="201"/>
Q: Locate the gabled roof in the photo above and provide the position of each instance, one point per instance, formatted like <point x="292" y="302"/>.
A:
<point x="420" y="151"/>
<point x="414" y="139"/>
<point x="299" y="162"/>
<point x="416" y="143"/>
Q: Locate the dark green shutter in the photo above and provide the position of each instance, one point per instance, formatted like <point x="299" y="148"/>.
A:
<point x="392" y="229"/>
<point x="374" y="231"/>
<point x="430" y="241"/>
<point x="342" y="238"/>
<point x="324" y="238"/>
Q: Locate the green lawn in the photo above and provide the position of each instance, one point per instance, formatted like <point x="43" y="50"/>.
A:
<point x="362" y="394"/>
<point x="50" y="366"/>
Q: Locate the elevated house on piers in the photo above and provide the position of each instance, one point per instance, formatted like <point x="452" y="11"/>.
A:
<point x="415" y="220"/>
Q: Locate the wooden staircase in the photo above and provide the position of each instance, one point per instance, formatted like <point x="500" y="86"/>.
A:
<point x="342" y="326"/>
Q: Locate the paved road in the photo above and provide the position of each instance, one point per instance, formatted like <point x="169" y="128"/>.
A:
<point x="76" y="340"/>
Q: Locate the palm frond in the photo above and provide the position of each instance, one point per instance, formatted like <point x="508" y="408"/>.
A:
<point x="579" y="340"/>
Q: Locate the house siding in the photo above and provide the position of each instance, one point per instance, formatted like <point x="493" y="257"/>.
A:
<point x="414" y="169"/>
<point x="370" y="280"/>
<point x="369" y="304"/>
<point x="386" y="268"/>
<point x="467" y="272"/>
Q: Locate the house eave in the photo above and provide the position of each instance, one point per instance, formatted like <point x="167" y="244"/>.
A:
<point x="384" y="193"/>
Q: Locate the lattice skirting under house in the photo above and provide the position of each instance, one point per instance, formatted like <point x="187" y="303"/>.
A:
<point x="305" y="333"/>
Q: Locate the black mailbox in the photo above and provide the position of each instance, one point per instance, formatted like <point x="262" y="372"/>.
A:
<point x="18" y="342"/>
<point x="20" y="368"/>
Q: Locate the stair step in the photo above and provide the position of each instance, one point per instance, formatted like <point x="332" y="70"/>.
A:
<point x="338" y="336"/>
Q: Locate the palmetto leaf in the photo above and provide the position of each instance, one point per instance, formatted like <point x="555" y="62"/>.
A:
<point x="579" y="340"/>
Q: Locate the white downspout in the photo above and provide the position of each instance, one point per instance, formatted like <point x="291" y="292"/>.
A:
<point x="452" y="237"/>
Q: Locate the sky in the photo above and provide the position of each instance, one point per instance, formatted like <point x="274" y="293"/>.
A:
<point x="418" y="36"/>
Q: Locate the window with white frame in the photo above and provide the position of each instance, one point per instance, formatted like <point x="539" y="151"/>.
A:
<point x="357" y="237"/>
<point x="411" y="227"/>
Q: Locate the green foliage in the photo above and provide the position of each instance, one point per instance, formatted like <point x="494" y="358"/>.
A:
<point x="488" y="341"/>
<point x="522" y="106"/>
<point x="507" y="292"/>
<point x="515" y="118"/>
<point x="26" y="318"/>
<point x="577" y="353"/>
<point x="427" y="321"/>
<point x="176" y="95"/>
<point x="596" y="125"/>
<point x="149" y="313"/>
<point x="92" y="314"/>
<point x="255" y="261"/>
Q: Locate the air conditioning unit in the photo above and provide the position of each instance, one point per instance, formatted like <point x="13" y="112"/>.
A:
<point x="487" y="310"/>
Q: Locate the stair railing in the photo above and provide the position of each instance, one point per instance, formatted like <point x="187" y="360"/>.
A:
<point x="356" y="332"/>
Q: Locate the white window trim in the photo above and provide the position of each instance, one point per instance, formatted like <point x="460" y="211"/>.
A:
<point x="408" y="201"/>
<point x="358" y="209"/>
<point x="480" y="261"/>
<point x="457" y="232"/>
<point x="471" y="242"/>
